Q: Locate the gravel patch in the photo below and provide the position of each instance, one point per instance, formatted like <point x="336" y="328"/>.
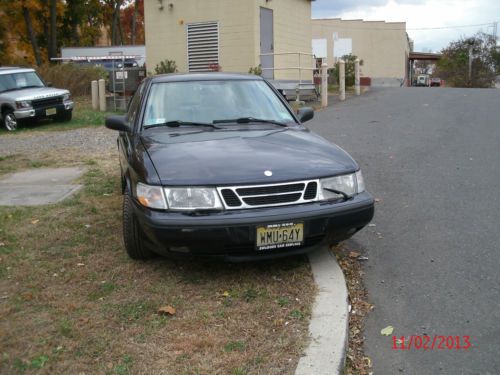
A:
<point x="88" y="140"/>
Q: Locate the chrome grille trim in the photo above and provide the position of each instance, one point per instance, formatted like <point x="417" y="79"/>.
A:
<point x="293" y="187"/>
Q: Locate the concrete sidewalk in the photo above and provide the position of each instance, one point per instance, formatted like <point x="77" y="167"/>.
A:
<point x="39" y="186"/>
<point x="329" y="324"/>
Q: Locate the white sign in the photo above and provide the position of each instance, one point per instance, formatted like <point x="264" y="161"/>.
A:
<point x="341" y="47"/>
<point x="121" y="75"/>
<point x="319" y="48"/>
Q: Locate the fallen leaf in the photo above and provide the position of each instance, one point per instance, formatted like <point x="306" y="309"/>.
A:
<point x="354" y="254"/>
<point x="80" y="264"/>
<point x="166" y="310"/>
<point x="387" y="331"/>
<point x="225" y="294"/>
<point x="34" y="221"/>
<point x="2" y="244"/>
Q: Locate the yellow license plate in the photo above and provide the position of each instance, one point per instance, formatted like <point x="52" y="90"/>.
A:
<point x="50" y="112"/>
<point x="278" y="236"/>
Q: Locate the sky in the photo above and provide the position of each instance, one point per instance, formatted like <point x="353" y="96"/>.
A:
<point x="420" y="14"/>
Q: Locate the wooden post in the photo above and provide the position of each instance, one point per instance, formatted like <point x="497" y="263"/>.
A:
<point x="102" y="95"/>
<point x="324" y="85"/>
<point x="95" y="95"/>
<point x="357" y="87"/>
<point x="342" y="80"/>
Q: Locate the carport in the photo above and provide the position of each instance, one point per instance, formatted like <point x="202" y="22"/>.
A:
<point x="419" y="56"/>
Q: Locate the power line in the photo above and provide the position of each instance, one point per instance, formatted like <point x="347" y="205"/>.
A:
<point x="452" y="27"/>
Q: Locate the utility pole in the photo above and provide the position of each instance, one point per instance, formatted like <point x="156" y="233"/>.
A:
<point x="471" y="45"/>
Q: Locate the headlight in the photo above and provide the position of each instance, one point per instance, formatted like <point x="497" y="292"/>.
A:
<point x="193" y="198"/>
<point x="23" y="104"/>
<point x="349" y="184"/>
<point x="151" y="196"/>
<point x="66" y="97"/>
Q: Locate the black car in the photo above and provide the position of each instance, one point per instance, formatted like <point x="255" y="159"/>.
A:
<point x="218" y="165"/>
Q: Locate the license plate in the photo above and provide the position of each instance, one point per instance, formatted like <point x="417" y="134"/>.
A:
<point x="50" y="111"/>
<point x="278" y="236"/>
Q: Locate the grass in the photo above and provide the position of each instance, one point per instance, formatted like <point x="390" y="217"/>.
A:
<point x="71" y="301"/>
<point x="83" y="116"/>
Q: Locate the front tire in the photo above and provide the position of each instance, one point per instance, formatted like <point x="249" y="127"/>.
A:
<point x="10" y="122"/>
<point x="64" y="116"/>
<point x="133" y="236"/>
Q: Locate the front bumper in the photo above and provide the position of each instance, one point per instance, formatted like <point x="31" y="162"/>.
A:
<point x="41" y="112"/>
<point x="231" y="235"/>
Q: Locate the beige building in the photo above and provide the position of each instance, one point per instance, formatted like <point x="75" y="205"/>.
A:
<point x="384" y="47"/>
<point x="202" y="35"/>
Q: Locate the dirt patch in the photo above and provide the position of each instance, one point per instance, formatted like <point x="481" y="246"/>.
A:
<point x="350" y="260"/>
<point x="71" y="301"/>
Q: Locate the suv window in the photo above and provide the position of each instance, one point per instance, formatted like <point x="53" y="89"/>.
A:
<point x="15" y="81"/>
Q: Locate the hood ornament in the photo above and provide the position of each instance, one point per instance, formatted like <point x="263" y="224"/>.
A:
<point x="268" y="173"/>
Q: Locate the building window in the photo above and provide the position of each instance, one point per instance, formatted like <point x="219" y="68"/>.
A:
<point x="203" y="46"/>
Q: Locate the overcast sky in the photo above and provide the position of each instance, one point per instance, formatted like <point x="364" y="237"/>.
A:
<point x="419" y="14"/>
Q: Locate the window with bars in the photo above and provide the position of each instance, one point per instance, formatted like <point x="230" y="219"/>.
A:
<point x="203" y="46"/>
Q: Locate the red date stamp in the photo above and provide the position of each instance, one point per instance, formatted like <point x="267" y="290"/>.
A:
<point x="436" y="342"/>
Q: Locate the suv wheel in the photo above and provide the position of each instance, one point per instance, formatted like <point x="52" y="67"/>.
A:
<point x="132" y="233"/>
<point x="10" y="121"/>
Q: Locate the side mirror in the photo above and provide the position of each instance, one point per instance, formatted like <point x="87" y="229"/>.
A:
<point x="305" y="114"/>
<point x="117" y="123"/>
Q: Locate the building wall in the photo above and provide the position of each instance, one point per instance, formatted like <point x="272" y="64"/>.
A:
<point x="239" y="31"/>
<point x="292" y="33"/>
<point x="166" y="36"/>
<point x="383" y="46"/>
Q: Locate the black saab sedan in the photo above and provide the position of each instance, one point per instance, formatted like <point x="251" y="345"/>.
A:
<point x="219" y="165"/>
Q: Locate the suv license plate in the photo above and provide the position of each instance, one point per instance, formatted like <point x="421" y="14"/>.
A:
<point x="278" y="236"/>
<point x="50" y="112"/>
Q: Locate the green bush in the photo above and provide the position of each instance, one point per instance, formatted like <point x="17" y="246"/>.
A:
<point x="349" y="70"/>
<point x="166" y="66"/>
<point x="76" y="78"/>
<point x="257" y="70"/>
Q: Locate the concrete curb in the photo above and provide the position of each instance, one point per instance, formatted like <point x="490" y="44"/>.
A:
<point x="329" y="324"/>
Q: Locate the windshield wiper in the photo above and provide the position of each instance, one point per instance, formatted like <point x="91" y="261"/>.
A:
<point x="246" y="120"/>
<point x="177" y="123"/>
<point x="344" y="195"/>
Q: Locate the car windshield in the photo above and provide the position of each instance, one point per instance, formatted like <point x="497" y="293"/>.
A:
<point x="15" y="81"/>
<point x="209" y="101"/>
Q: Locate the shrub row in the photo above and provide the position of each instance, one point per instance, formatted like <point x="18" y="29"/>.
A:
<point x="75" y="78"/>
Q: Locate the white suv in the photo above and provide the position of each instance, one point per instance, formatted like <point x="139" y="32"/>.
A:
<point x="24" y="96"/>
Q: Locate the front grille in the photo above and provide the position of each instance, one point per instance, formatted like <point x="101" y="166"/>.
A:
<point x="297" y="192"/>
<point x="47" y="102"/>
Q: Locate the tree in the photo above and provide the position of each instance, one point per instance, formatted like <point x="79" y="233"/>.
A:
<point x="453" y="67"/>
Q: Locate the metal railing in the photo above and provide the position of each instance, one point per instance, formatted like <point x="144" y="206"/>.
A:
<point x="299" y="68"/>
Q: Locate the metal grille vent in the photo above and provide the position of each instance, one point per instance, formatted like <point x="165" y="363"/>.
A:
<point x="203" y="46"/>
<point x="311" y="190"/>
<point x="46" y="102"/>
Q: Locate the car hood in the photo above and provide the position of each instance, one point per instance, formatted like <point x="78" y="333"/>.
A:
<point x="34" y="93"/>
<point x="220" y="157"/>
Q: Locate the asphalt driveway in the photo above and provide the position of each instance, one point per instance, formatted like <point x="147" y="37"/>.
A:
<point x="432" y="158"/>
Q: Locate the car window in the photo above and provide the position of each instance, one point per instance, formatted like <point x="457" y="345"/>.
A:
<point x="133" y="108"/>
<point x="208" y="101"/>
<point x="19" y="80"/>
